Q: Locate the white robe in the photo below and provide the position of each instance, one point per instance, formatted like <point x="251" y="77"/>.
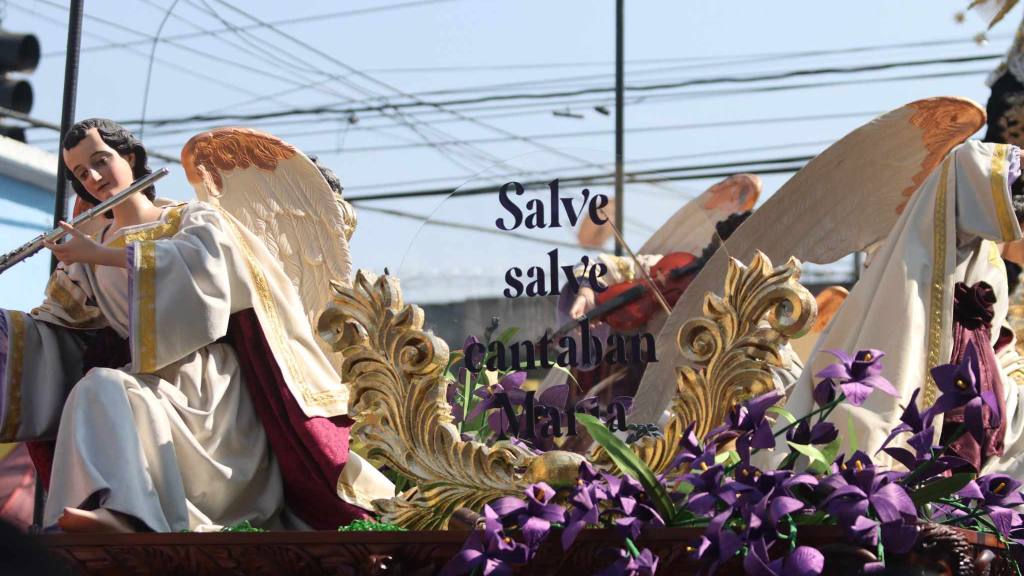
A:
<point x="172" y="439"/>
<point x="903" y="303"/>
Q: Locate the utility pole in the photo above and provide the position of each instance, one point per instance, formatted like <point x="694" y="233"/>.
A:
<point x="620" y="200"/>
<point x="60" y="203"/>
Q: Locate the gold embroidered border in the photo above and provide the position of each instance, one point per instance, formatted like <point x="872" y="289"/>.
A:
<point x="1018" y="377"/>
<point x="15" y="363"/>
<point x="145" y="282"/>
<point x="276" y="332"/>
<point x="935" y="305"/>
<point x="76" y="310"/>
<point x="997" y="177"/>
<point x="168" y="228"/>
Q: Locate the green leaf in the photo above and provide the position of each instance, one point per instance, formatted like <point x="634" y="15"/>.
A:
<point x="568" y="373"/>
<point x="831" y="450"/>
<point x="783" y="413"/>
<point x="811" y="452"/>
<point x="723" y="457"/>
<point x="940" y="488"/>
<point x="629" y="463"/>
<point x="507" y="334"/>
<point x="684" y="487"/>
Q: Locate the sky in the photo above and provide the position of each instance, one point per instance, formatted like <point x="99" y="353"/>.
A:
<point x="362" y="54"/>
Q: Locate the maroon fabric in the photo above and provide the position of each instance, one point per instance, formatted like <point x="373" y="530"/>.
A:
<point x="972" y="322"/>
<point x="41" y="452"/>
<point x="310" y="451"/>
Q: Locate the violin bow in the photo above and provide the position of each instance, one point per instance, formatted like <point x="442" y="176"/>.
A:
<point x="636" y="262"/>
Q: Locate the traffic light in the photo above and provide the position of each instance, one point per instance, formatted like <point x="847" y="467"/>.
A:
<point x="18" y="53"/>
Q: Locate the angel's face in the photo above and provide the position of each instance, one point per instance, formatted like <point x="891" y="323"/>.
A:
<point x="98" y="167"/>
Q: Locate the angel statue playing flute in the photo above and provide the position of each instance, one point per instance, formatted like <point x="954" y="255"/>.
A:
<point x="171" y="378"/>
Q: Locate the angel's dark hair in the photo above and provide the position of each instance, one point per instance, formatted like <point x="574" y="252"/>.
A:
<point x="117" y="137"/>
<point x="724" y="229"/>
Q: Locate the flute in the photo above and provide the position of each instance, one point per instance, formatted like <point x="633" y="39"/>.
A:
<point x="36" y="244"/>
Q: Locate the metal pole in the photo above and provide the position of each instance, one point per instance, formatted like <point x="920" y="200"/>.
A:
<point x="60" y="202"/>
<point x="67" y="116"/>
<point x="620" y="200"/>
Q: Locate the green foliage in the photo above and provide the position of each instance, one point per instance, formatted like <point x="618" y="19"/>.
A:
<point x="242" y="527"/>
<point x="370" y="526"/>
<point x="629" y="463"/>
<point x="935" y="490"/>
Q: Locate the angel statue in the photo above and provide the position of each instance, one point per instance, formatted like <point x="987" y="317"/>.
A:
<point x="171" y="379"/>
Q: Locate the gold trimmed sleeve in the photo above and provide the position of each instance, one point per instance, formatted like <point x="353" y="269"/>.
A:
<point x="144" y="305"/>
<point x="1000" y="199"/>
<point x="936" y="320"/>
<point x="10" y="385"/>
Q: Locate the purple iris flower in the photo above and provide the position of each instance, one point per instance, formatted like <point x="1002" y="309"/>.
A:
<point x="749" y="424"/>
<point x="588" y="492"/>
<point x="961" y="386"/>
<point x="627" y="498"/>
<point x="488" y="550"/>
<point x="820" y="433"/>
<point x="689" y="448"/>
<point x="999" y="494"/>
<point x="860" y="489"/>
<point x="858" y="375"/>
<point x="534" y="515"/>
<point x="802" y="561"/>
<point x="764" y="499"/>
<point x="706" y="478"/>
<point x="511" y="385"/>
<point x="824" y="392"/>
<point x="646" y="564"/>
<point x="718" y="544"/>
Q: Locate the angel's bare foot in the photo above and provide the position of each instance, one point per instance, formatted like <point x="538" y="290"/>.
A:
<point x="98" y="521"/>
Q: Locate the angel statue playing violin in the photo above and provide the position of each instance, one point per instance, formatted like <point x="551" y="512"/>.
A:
<point x="671" y="275"/>
<point x="171" y="379"/>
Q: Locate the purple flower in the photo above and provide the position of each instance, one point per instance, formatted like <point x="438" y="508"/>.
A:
<point x="764" y="499"/>
<point x="999" y="494"/>
<point x="858" y="375"/>
<point x="820" y="433"/>
<point x="961" y="386"/>
<point x="534" y="515"/>
<point x="627" y="499"/>
<point x="584" y="498"/>
<point x="861" y="488"/>
<point x="689" y="448"/>
<point x="748" y="423"/>
<point x="802" y="561"/>
<point x="911" y="421"/>
<point x="646" y="564"/>
<point x="718" y="544"/>
<point x="488" y="550"/>
<point x="824" y="392"/>
<point x="706" y="478"/>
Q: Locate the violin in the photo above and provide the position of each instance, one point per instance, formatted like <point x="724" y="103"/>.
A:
<point x="676" y="271"/>
<point x="635" y="302"/>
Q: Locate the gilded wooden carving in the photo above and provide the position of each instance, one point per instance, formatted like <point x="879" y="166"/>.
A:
<point x="396" y="372"/>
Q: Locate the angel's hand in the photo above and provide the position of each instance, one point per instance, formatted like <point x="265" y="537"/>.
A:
<point x="583" y="303"/>
<point x="79" y="247"/>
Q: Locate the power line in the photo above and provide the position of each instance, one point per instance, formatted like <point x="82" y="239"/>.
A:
<point x="634" y="130"/>
<point x="634" y="176"/>
<point x="52" y="126"/>
<point x="284" y="22"/>
<point x="426" y="219"/>
<point x="168" y="63"/>
<point x="703" y="61"/>
<point x="329" y="109"/>
<point x="731" y="79"/>
<point x="633" y="162"/>
<point x="389" y="87"/>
